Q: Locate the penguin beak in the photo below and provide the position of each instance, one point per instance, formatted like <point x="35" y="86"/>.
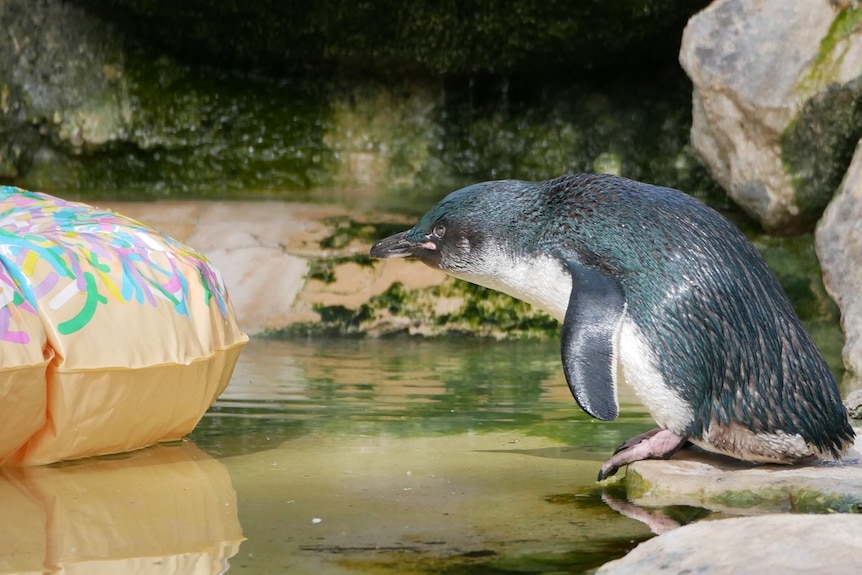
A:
<point x="395" y="246"/>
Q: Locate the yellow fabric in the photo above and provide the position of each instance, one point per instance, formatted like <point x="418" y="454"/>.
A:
<point x="112" y="335"/>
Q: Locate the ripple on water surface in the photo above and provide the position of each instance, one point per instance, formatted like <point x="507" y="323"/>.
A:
<point x="415" y="456"/>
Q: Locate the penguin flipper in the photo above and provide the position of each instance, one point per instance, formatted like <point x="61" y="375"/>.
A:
<point x="596" y="306"/>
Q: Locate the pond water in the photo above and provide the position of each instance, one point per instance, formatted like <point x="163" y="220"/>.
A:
<point x="348" y="456"/>
<point x="425" y="456"/>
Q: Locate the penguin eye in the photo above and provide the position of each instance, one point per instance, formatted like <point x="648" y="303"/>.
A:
<point x="439" y="231"/>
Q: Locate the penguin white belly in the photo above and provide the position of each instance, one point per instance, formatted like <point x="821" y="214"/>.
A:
<point x="636" y="361"/>
<point x="540" y="281"/>
<point x="543" y="281"/>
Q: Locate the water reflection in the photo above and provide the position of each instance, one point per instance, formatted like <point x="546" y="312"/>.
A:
<point x="282" y="390"/>
<point x="415" y="456"/>
<point x="351" y="456"/>
<point x="167" y="509"/>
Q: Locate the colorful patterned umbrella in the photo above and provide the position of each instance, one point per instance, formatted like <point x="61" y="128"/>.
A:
<point x="112" y="336"/>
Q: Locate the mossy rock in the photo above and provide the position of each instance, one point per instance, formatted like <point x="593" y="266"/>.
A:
<point x="471" y="310"/>
<point x="730" y="486"/>
<point x="387" y="37"/>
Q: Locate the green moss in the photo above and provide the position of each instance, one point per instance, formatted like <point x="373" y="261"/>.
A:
<point x="811" y="501"/>
<point x="387" y="145"/>
<point x="482" y="313"/>
<point x="818" y="144"/>
<point x="828" y="61"/>
<point x="400" y="302"/>
<point x="321" y="270"/>
<point x="487" y="311"/>
<point x="789" y="498"/>
<point x="382" y="136"/>
<point x="346" y="230"/>
<point x="204" y="133"/>
<point x="636" y="486"/>
<point x="406" y="38"/>
<point x="782" y="498"/>
<point x="777" y="499"/>
<point x="324" y="269"/>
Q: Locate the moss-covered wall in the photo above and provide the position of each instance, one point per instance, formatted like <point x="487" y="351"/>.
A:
<point x="393" y="38"/>
<point x="191" y="132"/>
<point x="377" y="104"/>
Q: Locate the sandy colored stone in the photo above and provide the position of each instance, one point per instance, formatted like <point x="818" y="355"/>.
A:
<point x="755" y="65"/>
<point x="693" y="477"/>
<point x="264" y="251"/>
<point x="355" y="284"/>
<point x="786" y="544"/>
<point x="838" y="241"/>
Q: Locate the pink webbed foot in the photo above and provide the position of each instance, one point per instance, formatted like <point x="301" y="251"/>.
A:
<point x="654" y="444"/>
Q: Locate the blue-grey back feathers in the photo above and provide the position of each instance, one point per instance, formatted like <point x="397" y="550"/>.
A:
<point x="723" y="341"/>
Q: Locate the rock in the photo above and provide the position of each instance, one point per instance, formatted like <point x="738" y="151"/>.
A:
<point x="85" y="111"/>
<point x="853" y="403"/>
<point x="299" y="269"/>
<point x="261" y="249"/>
<point x="693" y="477"/>
<point x="838" y="241"/>
<point x="389" y="37"/>
<point x="776" y="103"/>
<point x="62" y="81"/>
<point x="787" y="544"/>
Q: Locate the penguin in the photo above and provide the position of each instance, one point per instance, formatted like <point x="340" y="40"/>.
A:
<point x="653" y="288"/>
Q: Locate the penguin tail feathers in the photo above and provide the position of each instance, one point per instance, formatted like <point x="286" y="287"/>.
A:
<point x="837" y="444"/>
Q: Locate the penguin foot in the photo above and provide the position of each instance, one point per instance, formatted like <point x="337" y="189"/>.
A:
<point x="654" y="444"/>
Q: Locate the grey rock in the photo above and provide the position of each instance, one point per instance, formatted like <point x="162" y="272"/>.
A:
<point x="407" y="39"/>
<point x="838" y="240"/>
<point x="853" y="403"/>
<point x="693" y="477"/>
<point x="786" y="544"/>
<point x="104" y="106"/>
<point x="776" y="109"/>
<point x="61" y="80"/>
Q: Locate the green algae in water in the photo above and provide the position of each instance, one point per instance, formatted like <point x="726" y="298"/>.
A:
<point x="579" y="558"/>
<point x="787" y="498"/>
<point x="375" y="436"/>
<point x="450" y="386"/>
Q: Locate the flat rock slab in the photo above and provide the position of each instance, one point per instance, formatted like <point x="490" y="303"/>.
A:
<point x="701" y="479"/>
<point x="264" y="251"/>
<point x="765" y="544"/>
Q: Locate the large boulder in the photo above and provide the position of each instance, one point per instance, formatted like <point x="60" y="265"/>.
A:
<point x="776" y="105"/>
<point x="766" y="544"/>
<point x="838" y="240"/>
<point x="698" y="479"/>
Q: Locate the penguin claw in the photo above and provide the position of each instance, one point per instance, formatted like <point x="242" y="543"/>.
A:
<point x="654" y="444"/>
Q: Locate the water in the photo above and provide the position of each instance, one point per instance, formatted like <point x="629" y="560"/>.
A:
<point x="397" y="456"/>
<point x="349" y="456"/>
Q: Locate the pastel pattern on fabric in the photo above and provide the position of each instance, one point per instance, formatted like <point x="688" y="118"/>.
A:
<point x="113" y="336"/>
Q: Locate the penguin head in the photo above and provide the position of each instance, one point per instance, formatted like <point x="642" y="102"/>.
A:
<point x="460" y="232"/>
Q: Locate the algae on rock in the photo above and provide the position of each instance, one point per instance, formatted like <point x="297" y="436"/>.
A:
<point x="123" y="118"/>
<point x="454" y="307"/>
